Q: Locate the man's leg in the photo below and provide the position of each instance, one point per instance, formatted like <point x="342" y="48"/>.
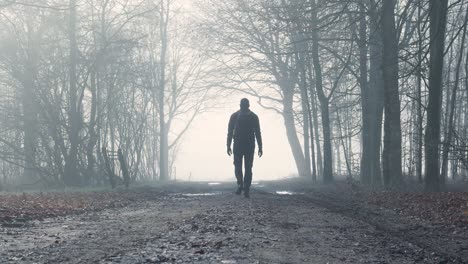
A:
<point x="238" y="171"/>
<point x="249" y="157"/>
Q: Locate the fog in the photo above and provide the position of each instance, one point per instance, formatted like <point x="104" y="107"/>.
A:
<point x="104" y="92"/>
<point x="203" y="151"/>
<point x="115" y="114"/>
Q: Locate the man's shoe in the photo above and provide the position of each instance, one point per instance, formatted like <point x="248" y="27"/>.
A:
<point x="239" y="190"/>
<point x="247" y="193"/>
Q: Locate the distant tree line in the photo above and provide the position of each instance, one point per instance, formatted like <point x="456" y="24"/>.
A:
<point x="368" y="89"/>
<point x="81" y="76"/>
<point x="373" y="90"/>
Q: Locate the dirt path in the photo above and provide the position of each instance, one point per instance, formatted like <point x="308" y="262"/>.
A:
<point x="211" y="225"/>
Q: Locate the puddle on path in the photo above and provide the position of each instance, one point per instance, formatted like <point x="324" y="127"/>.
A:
<point x="214" y="183"/>
<point x="288" y="193"/>
<point x="258" y="185"/>
<point x="200" y="194"/>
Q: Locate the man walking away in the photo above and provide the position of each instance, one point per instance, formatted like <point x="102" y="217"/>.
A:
<point x="244" y="127"/>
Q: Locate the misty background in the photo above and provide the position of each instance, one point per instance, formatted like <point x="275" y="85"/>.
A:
<point x="204" y="152"/>
<point x="99" y="92"/>
<point x="204" y="157"/>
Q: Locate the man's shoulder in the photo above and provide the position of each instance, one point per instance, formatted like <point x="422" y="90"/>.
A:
<point x="253" y="114"/>
<point x="250" y="114"/>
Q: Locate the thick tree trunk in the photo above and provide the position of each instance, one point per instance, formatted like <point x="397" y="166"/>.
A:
<point x="324" y="101"/>
<point x="437" y="19"/>
<point x="371" y="95"/>
<point x="288" y="116"/>
<point x="392" y="169"/>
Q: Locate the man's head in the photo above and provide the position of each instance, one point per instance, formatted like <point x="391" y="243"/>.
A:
<point x="244" y="104"/>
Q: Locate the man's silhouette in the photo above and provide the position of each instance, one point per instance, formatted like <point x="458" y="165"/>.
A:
<point x="244" y="127"/>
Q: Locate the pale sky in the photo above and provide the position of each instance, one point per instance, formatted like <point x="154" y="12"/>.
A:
<point x="203" y="150"/>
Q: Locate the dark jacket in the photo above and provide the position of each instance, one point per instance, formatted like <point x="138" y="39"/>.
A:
<point x="244" y="127"/>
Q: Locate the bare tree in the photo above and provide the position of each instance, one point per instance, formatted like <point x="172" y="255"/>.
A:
<point x="72" y="176"/>
<point x="392" y="168"/>
<point x="438" y="18"/>
<point x="453" y="103"/>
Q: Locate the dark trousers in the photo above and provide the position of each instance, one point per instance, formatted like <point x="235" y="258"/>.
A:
<point x="247" y="157"/>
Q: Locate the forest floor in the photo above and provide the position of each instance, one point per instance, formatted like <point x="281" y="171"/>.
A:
<point x="282" y="222"/>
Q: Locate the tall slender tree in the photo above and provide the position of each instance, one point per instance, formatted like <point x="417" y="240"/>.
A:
<point x="163" y="132"/>
<point x="392" y="168"/>
<point x="323" y="99"/>
<point x="437" y="23"/>
<point x="72" y="175"/>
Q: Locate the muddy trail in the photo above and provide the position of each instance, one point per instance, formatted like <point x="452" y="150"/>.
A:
<point x="207" y="223"/>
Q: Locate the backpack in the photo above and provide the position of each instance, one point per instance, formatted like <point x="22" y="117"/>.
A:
<point x="244" y="124"/>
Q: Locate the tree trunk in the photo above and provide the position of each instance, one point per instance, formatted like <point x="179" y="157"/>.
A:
<point x="93" y="137"/>
<point x="71" y="176"/>
<point x="324" y="101"/>
<point x="300" y="48"/>
<point x="313" y="101"/>
<point x="437" y="23"/>
<point x="366" y="103"/>
<point x="312" y="145"/>
<point x="288" y="116"/>
<point x="313" y="123"/>
<point x="392" y="168"/>
<point x="30" y="115"/>
<point x="464" y="154"/>
<point x="311" y="126"/>
<point x="306" y="128"/>
<point x="163" y="137"/>
<point x="371" y="98"/>
<point x="345" y="149"/>
<point x="453" y="103"/>
<point x="419" y="115"/>
<point x="327" y="144"/>
<point x="336" y="165"/>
